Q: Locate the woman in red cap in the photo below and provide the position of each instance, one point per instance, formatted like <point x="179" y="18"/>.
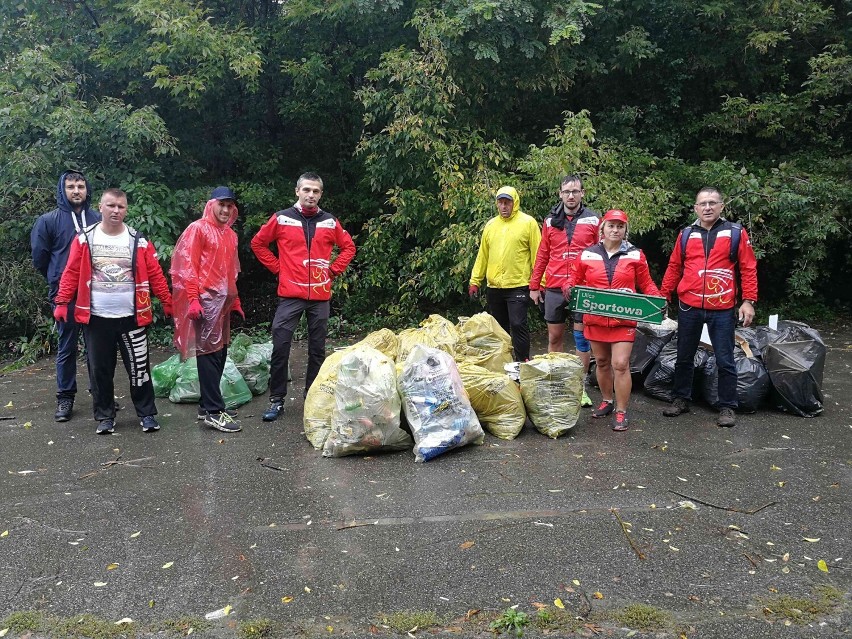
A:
<point x="615" y="264"/>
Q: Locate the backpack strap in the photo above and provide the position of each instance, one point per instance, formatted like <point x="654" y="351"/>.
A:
<point x="736" y="234"/>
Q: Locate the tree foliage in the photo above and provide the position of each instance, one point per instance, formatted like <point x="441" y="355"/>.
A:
<point x="415" y="113"/>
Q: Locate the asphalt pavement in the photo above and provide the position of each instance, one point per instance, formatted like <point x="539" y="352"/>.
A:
<point x="721" y="532"/>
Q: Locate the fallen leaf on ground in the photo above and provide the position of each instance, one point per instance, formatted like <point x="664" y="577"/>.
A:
<point x="597" y="595"/>
<point x="100" y="584"/>
<point x="136" y="534"/>
<point x="307" y="589"/>
<point x="774" y="467"/>
<point x="822" y="565"/>
<point x="286" y="599"/>
<point x="467" y="544"/>
<point x="576" y="582"/>
<point x="124" y="621"/>
<point x="813" y="540"/>
<point x="539" y="606"/>
<point x="218" y="614"/>
<point x="558" y="603"/>
<point x="5" y="533"/>
<point x="112" y="566"/>
<point x="3" y="632"/>
<point x="9" y="405"/>
<point x="168" y="565"/>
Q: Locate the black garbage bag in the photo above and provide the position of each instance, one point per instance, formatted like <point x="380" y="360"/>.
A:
<point x="647" y="346"/>
<point x="660" y="380"/>
<point x="752" y="382"/>
<point x="796" y="370"/>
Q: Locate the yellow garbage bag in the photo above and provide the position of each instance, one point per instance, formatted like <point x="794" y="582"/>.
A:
<point x="319" y="402"/>
<point x="383" y="340"/>
<point x="496" y="399"/>
<point x="408" y="339"/>
<point x="443" y="331"/>
<point x="485" y="343"/>
<point x="552" y="387"/>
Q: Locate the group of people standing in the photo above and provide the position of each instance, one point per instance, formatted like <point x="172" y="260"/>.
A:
<point x="102" y="273"/>
<point x="523" y="264"/>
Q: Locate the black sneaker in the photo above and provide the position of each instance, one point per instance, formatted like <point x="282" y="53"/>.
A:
<point x="619" y="422"/>
<point x="274" y="410"/>
<point x="604" y="409"/>
<point x="105" y="427"/>
<point x="149" y="424"/>
<point x="222" y="421"/>
<point x="727" y="418"/>
<point x="202" y="414"/>
<point x="678" y="406"/>
<point x="64" y="409"/>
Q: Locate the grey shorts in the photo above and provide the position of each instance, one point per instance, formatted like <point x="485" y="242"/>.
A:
<point x="556" y="308"/>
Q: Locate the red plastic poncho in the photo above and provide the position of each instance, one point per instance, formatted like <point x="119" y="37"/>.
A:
<point x="205" y="265"/>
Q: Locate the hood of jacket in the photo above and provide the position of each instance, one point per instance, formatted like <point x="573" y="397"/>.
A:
<point x="208" y="215"/>
<point x="516" y="199"/>
<point x="62" y="200"/>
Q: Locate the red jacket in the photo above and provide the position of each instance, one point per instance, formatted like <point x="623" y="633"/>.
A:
<point x="304" y="244"/>
<point x="556" y="252"/>
<point x="626" y="271"/>
<point x="706" y="278"/>
<point x="147" y="273"/>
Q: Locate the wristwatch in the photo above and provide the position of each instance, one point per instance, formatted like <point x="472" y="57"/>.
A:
<point x="752" y="302"/>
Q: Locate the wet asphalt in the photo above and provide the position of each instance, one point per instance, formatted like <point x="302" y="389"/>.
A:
<point x="189" y="520"/>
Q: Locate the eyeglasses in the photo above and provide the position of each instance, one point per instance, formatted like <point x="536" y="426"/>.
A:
<point x="710" y="203"/>
<point x="574" y="192"/>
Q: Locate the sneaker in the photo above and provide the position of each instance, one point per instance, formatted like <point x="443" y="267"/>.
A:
<point x="585" y="400"/>
<point x="678" y="406"/>
<point x="203" y="413"/>
<point x="222" y="421"/>
<point x="274" y="410"/>
<point x="105" y="427"/>
<point x="727" y="418"/>
<point x="149" y="424"/>
<point x="603" y="410"/>
<point x="619" y="422"/>
<point x="64" y="408"/>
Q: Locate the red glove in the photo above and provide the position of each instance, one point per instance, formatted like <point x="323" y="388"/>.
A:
<point x="195" y="311"/>
<point x="237" y="308"/>
<point x="60" y="313"/>
<point x="473" y="290"/>
<point x="566" y="292"/>
<point x="167" y="309"/>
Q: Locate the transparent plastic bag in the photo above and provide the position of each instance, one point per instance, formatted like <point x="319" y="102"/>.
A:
<point x="435" y="404"/>
<point x="552" y="388"/>
<point x="319" y="402"/>
<point x="367" y="406"/>
<point x="496" y="398"/>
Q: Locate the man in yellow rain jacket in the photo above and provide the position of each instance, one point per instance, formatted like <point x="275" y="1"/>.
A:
<point x="505" y="260"/>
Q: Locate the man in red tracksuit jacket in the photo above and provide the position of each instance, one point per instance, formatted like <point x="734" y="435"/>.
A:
<point x="304" y="236"/>
<point x="705" y="279"/>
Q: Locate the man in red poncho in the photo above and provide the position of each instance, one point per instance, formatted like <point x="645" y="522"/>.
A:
<point x="304" y="236"/>
<point x="204" y="273"/>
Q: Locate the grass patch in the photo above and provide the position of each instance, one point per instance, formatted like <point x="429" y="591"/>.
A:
<point x="546" y="619"/>
<point x="801" y="610"/>
<point x="257" y="629"/>
<point x="24" y="621"/>
<point x="511" y="620"/>
<point x="90" y="627"/>
<point x="180" y="626"/>
<point x="642" y="617"/>
<point x="404" y="621"/>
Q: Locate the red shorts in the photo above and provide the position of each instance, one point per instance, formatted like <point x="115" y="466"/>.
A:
<point x="609" y="334"/>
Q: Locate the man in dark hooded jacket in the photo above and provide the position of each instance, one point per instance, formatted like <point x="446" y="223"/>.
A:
<point x="51" y="240"/>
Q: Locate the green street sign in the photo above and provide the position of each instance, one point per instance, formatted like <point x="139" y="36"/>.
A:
<point x="618" y="304"/>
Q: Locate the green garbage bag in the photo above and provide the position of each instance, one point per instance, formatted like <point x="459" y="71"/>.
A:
<point x="186" y="389"/>
<point x="254" y="367"/>
<point x="164" y="375"/>
<point x="235" y="391"/>
<point x="238" y="347"/>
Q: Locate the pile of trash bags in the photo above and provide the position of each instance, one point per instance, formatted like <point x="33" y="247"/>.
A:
<point x="246" y="374"/>
<point x="436" y="388"/>
<point x="780" y="367"/>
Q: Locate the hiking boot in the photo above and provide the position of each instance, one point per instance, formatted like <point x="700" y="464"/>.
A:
<point x="619" y="422"/>
<point x="678" y="406"/>
<point x="149" y="424"/>
<point x="727" y="418"/>
<point x="105" y="427"/>
<point x="222" y="421"/>
<point x="274" y="410"/>
<point x="603" y="410"/>
<point x="203" y="413"/>
<point x="64" y="408"/>
<point x="585" y="400"/>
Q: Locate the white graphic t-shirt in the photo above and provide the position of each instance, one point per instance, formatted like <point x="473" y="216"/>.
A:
<point x="112" y="276"/>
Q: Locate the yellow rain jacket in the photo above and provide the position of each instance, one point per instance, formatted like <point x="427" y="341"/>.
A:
<point x="508" y="248"/>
